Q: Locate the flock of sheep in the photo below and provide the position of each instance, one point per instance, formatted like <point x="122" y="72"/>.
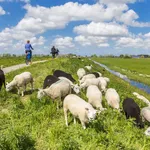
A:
<point x="60" y="87"/>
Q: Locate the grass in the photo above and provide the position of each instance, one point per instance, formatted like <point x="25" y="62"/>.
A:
<point x="10" y="61"/>
<point x="130" y="67"/>
<point x="28" y="124"/>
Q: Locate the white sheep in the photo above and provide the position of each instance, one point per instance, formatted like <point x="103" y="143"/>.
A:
<point x="112" y="98"/>
<point x="88" y="76"/>
<point x="20" y="80"/>
<point x="94" y="96"/>
<point x="75" y="87"/>
<point x="79" y="109"/>
<point x="103" y="83"/>
<point x="57" y="90"/>
<point x="88" y="82"/>
<point x="145" y="113"/>
<point x="81" y="72"/>
<point x="89" y="67"/>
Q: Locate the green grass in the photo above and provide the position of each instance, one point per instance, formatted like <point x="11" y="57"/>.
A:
<point x="133" y="67"/>
<point x="27" y="123"/>
<point x="10" y="61"/>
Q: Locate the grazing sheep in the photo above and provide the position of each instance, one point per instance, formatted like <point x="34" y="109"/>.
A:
<point x="97" y="74"/>
<point x="89" y="67"/>
<point x="57" y="90"/>
<point x="75" y="87"/>
<point x="20" y="80"/>
<point x="49" y="80"/>
<point x="103" y="84"/>
<point x="60" y="73"/>
<point x="88" y="82"/>
<point x="132" y="110"/>
<point x="94" y="96"/>
<point x="88" y="76"/>
<point x="145" y="113"/>
<point x="81" y="72"/>
<point x="112" y="98"/>
<point x="2" y="79"/>
<point x="147" y="132"/>
<point x="79" y="109"/>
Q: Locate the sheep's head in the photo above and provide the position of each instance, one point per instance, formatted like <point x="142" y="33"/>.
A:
<point x="91" y="114"/>
<point x="76" y="89"/>
<point x="40" y="94"/>
<point x="9" y="87"/>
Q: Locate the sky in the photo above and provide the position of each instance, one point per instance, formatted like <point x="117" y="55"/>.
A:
<point x="82" y="27"/>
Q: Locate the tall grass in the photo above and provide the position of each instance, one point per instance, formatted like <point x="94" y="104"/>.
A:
<point x="27" y="123"/>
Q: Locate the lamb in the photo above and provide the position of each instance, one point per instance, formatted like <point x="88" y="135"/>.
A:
<point x="81" y="72"/>
<point x="2" y="79"/>
<point x="57" y="90"/>
<point x="88" y="76"/>
<point x="60" y="73"/>
<point x="88" y="82"/>
<point x="49" y="80"/>
<point x="20" y="80"/>
<point x="145" y="113"/>
<point x="75" y="87"/>
<point x="94" y="96"/>
<point x="132" y="110"/>
<point x="103" y="84"/>
<point x="112" y="98"/>
<point x="89" y="68"/>
<point x="78" y="108"/>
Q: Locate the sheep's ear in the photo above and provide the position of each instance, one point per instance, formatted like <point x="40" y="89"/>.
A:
<point x="7" y="83"/>
<point x="39" y="89"/>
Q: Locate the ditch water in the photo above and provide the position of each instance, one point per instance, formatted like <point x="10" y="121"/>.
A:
<point x="137" y="84"/>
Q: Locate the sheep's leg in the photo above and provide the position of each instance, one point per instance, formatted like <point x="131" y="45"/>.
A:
<point x="83" y="125"/>
<point x="74" y="120"/>
<point x="65" y="114"/>
<point x="32" y="88"/>
<point x="18" y="90"/>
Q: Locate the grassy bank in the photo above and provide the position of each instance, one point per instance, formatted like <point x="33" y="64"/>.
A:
<point x="10" y="61"/>
<point x="136" y="69"/>
<point x="27" y="123"/>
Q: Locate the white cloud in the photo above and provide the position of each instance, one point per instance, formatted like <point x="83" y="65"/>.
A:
<point x="102" y="29"/>
<point x="147" y="35"/>
<point x="91" y="41"/>
<point x="63" y="42"/>
<point x="2" y="11"/>
<point x="117" y="1"/>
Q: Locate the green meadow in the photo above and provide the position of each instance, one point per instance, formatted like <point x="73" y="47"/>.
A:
<point x="29" y="124"/>
<point x="136" y="69"/>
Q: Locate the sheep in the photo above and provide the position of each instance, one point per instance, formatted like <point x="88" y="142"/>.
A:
<point x="132" y="110"/>
<point x="81" y="72"/>
<point x="94" y="96"/>
<point x="57" y="90"/>
<point x="2" y="79"/>
<point x="103" y="84"/>
<point x="60" y="73"/>
<point x="78" y="108"/>
<point x="88" y="82"/>
<point x="112" y="98"/>
<point x="20" y="80"/>
<point x="89" y="68"/>
<point x="147" y="132"/>
<point x="75" y="87"/>
<point x="88" y="76"/>
<point x="145" y="113"/>
<point x="49" y="80"/>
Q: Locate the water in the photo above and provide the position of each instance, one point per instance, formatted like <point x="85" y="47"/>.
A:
<point x="137" y="84"/>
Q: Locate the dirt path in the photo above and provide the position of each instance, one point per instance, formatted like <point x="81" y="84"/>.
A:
<point x="16" y="67"/>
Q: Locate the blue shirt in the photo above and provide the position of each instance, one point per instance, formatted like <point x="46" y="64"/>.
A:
<point x="28" y="46"/>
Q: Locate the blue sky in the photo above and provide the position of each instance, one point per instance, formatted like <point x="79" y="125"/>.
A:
<point x="82" y="27"/>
